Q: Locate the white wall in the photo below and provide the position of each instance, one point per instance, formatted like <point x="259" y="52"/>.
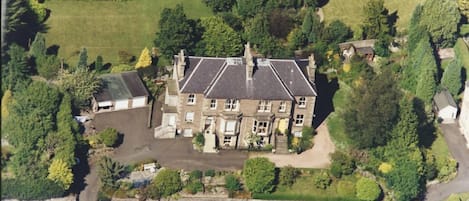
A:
<point x="140" y="101"/>
<point x="448" y="113"/>
<point x="121" y="104"/>
<point x="171" y="100"/>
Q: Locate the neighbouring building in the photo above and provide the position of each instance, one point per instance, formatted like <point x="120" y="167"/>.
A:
<point x="120" y="91"/>
<point x="464" y="115"/>
<point x="445" y="107"/>
<point x="363" y="48"/>
<point x="238" y="99"/>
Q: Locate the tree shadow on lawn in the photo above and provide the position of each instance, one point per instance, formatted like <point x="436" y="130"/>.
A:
<point x="324" y="106"/>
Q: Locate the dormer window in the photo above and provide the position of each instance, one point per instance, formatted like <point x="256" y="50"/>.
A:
<point x="191" y="99"/>
<point x="302" y="102"/>
<point x="213" y="104"/>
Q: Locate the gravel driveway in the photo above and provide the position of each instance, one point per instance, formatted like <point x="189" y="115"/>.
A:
<point x="457" y="146"/>
<point x="317" y="157"/>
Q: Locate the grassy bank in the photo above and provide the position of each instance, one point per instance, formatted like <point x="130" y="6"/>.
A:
<point x="106" y="27"/>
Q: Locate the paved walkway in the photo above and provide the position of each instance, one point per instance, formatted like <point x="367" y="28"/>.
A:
<point x="457" y="147"/>
<point x="317" y="157"/>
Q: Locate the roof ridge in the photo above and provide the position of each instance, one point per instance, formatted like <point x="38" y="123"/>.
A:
<point x="215" y="80"/>
<point x="192" y="73"/>
<point x="274" y="71"/>
<point x="212" y="82"/>
<point x="304" y="77"/>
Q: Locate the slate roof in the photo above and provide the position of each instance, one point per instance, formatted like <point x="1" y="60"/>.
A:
<point x="121" y="86"/>
<point x="273" y="79"/>
<point x="444" y="99"/>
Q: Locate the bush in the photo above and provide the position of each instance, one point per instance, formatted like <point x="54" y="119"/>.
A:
<point x="109" y="137"/>
<point x="195" y="175"/>
<point x="194" y="186"/>
<point x="232" y="183"/>
<point x="28" y="189"/>
<point x="322" y="180"/>
<point x="341" y="164"/>
<point x="259" y="175"/>
<point x="367" y="189"/>
<point x="167" y="182"/>
<point x="288" y="175"/>
<point x="210" y="173"/>
<point x="199" y="141"/>
<point x="447" y="169"/>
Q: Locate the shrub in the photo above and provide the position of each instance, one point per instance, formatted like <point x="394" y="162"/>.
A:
<point x="199" y="141"/>
<point x="28" y="189"/>
<point x="195" y="175"/>
<point x="210" y="173"/>
<point x="447" y="169"/>
<point x="367" y="189"/>
<point x="109" y="136"/>
<point x="232" y="183"/>
<point x="168" y="182"/>
<point x="194" y="186"/>
<point x="322" y="180"/>
<point x="288" y="175"/>
<point x="341" y="164"/>
<point x="259" y="175"/>
<point x="385" y="167"/>
<point x="125" y="57"/>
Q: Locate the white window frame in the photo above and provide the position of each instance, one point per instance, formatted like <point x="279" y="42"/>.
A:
<point x="191" y="99"/>
<point x="302" y="102"/>
<point x="187" y="117"/>
<point x="234" y="126"/>
<point x="213" y="104"/>
<point x="299" y="120"/>
<point x="231" y="104"/>
<point x="258" y="126"/>
<point x="264" y="106"/>
<point x="283" y="106"/>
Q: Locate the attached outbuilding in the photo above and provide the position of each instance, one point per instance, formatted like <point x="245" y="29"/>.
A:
<point x="121" y="91"/>
<point x="445" y="107"/>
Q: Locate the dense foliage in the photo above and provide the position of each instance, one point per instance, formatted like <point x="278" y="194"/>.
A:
<point x="367" y="189"/>
<point x="219" y="39"/>
<point x="168" y="182"/>
<point x="109" y="172"/>
<point x="109" y="136"/>
<point x="288" y="175"/>
<point x="441" y="19"/>
<point x="451" y="78"/>
<point x="259" y="175"/>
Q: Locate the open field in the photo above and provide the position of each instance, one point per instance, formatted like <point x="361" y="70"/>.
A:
<point x="105" y="27"/>
<point x="351" y="12"/>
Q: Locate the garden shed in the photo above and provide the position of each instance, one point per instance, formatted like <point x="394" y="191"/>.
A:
<point x="120" y="91"/>
<point x="445" y="107"/>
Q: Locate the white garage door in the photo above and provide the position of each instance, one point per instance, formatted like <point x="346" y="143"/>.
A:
<point x="121" y="104"/>
<point x="138" y="102"/>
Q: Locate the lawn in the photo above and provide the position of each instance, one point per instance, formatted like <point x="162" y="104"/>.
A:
<point x="106" y="27"/>
<point x="351" y="11"/>
<point x="458" y="197"/>
<point x="304" y="189"/>
<point x="335" y="122"/>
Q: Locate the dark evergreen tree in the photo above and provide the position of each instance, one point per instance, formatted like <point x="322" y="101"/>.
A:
<point x="451" y="79"/>
<point x="15" y="72"/>
<point x="98" y="65"/>
<point x="415" y="29"/>
<point x="441" y="18"/>
<point x="38" y="46"/>
<point x="220" y="5"/>
<point x="312" y="27"/>
<point x="375" y="23"/>
<point x="83" y="59"/>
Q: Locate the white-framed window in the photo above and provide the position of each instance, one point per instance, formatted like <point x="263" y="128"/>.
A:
<point x="264" y="106"/>
<point x="260" y="127"/>
<point x="230" y="127"/>
<point x="299" y="119"/>
<point x="189" y="117"/>
<point x="283" y="106"/>
<point x="213" y="104"/>
<point x="227" y="140"/>
<point x="298" y="134"/>
<point x="191" y="99"/>
<point x="231" y="104"/>
<point x="302" y="102"/>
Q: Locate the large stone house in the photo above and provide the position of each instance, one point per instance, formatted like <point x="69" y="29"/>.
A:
<point x="239" y="99"/>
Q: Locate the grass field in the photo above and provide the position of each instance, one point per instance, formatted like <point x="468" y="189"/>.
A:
<point x="105" y="27"/>
<point x="335" y="122"/>
<point x="351" y="11"/>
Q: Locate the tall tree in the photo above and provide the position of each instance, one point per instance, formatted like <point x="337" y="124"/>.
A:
<point x="176" y="32"/>
<point x="220" y="5"/>
<point x="375" y="22"/>
<point x="219" y="38"/>
<point x="48" y="66"/>
<point x="464" y="7"/>
<point x="21" y="23"/>
<point x="425" y="61"/>
<point x="452" y="77"/>
<point x="38" y="46"/>
<point x="250" y="8"/>
<point x="405" y="179"/>
<point x="81" y="84"/>
<point x="405" y="134"/>
<point x="15" y="73"/>
<point x="98" y="65"/>
<point x="420" y="56"/>
<point x="415" y="29"/>
<point x="110" y="171"/>
<point x="441" y="19"/>
<point x="370" y="118"/>
<point x="337" y="32"/>
<point x="167" y="182"/>
<point x="144" y="60"/>
<point x="83" y="59"/>
<point x="61" y="173"/>
<point x="67" y="128"/>
<point x="311" y="26"/>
